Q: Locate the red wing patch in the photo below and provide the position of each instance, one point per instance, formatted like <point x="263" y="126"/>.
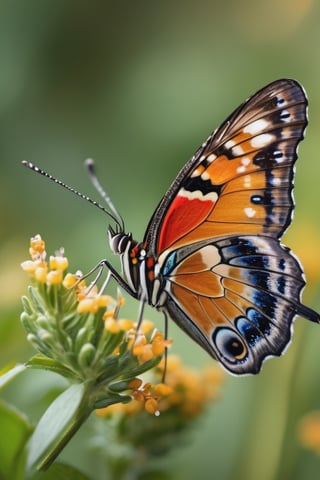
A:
<point x="185" y="213"/>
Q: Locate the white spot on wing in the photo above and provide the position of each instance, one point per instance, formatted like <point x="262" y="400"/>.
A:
<point x="229" y="144"/>
<point x="210" y="256"/>
<point x="276" y="181"/>
<point x="241" y="169"/>
<point x="237" y="151"/>
<point x="205" y="176"/>
<point x="196" y="173"/>
<point x="256" y="127"/>
<point x="250" y="212"/>
<point x="285" y="116"/>
<point x="211" y="157"/>
<point x="245" y="161"/>
<point x="262" y="140"/>
<point x="198" y="195"/>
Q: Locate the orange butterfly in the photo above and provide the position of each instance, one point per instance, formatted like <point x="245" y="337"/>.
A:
<point x="211" y="257"/>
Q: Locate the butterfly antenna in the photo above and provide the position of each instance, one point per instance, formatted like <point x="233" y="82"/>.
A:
<point x="114" y="215"/>
<point x="97" y="185"/>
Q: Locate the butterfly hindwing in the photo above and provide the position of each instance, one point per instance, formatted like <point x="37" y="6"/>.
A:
<point x="239" y="299"/>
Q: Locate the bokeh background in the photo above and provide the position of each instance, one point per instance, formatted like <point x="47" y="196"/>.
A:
<point x="138" y="86"/>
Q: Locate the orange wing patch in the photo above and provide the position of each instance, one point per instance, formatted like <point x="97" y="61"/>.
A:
<point x="201" y="310"/>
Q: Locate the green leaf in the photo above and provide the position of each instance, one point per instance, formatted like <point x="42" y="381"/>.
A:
<point x="15" y="431"/>
<point x="58" y="424"/>
<point x="9" y="373"/>
<point x="45" y="363"/>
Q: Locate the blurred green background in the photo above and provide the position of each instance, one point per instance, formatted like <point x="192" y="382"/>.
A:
<point x="138" y="86"/>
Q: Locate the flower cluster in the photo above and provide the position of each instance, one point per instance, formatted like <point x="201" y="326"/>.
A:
<point x="78" y="329"/>
<point x="50" y="272"/>
<point x="186" y="391"/>
<point x="183" y="398"/>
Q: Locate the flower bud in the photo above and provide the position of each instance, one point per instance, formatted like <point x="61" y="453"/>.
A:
<point x="86" y="355"/>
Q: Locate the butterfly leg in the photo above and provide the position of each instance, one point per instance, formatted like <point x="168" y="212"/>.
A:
<point x="112" y="272"/>
<point x="165" y="357"/>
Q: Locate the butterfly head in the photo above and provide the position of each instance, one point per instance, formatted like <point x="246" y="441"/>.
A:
<point x="119" y="241"/>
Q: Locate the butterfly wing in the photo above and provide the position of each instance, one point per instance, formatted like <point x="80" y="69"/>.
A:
<point x="237" y="297"/>
<point x="240" y="180"/>
<point x="231" y="285"/>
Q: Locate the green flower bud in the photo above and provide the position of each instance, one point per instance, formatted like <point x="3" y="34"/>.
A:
<point x="86" y="355"/>
<point x="83" y="337"/>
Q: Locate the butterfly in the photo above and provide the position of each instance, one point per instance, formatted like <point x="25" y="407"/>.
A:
<point x="211" y="257"/>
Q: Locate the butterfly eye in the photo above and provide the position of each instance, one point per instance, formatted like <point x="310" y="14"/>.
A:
<point x="119" y="241"/>
<point x="229" y="344"/>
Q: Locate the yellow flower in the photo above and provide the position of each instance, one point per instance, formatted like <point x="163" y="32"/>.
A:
<point x="42" y="271"/>
<point x="54" y="277"/>
<point x="70" y="280"/>
<point x="112" y="325"/>
<point x="148" y="395"/>
<point x="88" y="304"/>
<point x="159" y="344"/>
<point x="58" y="263"/>
<point x="40" y="274"/>
<point x="37" y="247"/>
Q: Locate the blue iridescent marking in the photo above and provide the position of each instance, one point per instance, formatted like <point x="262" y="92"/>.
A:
<point x="249" y="331"/>
<point x="281" y="285"/>
<point x="265" y="302"/>
<point x="170" y="264"/>
<point x="257" y="261"/>
<point x="259" y="278"/>
<point x="239" y="247"/>
<point x="259" y="320"/>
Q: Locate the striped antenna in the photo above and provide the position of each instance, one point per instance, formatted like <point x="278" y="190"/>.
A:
<point x="89" y="163"/>
<point x="113" y="214"/>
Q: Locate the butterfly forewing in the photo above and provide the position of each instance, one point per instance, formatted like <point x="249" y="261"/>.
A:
<point x="247" y="164"/>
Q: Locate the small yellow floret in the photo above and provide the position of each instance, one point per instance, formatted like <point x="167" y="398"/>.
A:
<point x="161" y="390"/>
<point x="29" y="266"/>
<point x="111" y="325"/>
<point x="146" y="327"/>
<point x="158" y="344"/>
<point x="103" y="300"/>
<point x="135" y="383"/>
<point x="151" y="406"/>
<point x="125" y="324"/>
<point x="54" y="277"/>
<point x="70" y="280"/>
<point x="37" y="245"/>
<point x="87" y="305"/>
<point x="58" y="263"/>
<point x="40" y="274"/>
<point x="146" y="353"/>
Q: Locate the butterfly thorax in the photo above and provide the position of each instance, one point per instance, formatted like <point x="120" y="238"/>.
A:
<point x="141" y="272"/>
